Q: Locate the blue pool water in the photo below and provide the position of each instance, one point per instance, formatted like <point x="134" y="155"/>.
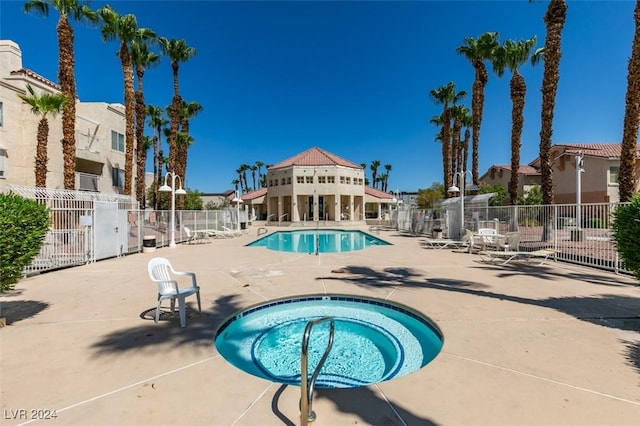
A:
<point x="317" y="241"/>
<point x="374" y="340"/>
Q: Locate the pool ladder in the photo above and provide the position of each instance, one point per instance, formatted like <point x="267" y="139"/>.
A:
<point x="306" y="413"/>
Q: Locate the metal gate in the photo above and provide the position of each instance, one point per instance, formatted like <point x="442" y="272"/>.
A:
<point x="75" y="215"/>
<point x="110" y="230"/>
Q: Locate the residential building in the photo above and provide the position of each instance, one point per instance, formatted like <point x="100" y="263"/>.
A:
<point x="598" y="182"/>
<point x="100" y="129"/>
<point x="528" y="177"/>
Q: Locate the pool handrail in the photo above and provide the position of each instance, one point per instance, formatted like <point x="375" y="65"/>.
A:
<point x="306" y="412"/>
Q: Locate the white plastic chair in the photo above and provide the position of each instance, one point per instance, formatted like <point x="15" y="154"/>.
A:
<point x="162" y="273"/>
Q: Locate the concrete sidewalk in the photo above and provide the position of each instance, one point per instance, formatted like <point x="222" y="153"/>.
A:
<point x="524" y="345"/>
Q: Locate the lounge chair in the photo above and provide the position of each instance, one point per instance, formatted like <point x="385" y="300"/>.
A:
<point x="162" y="273"/>
<point x="232" y="232"/>
<point x="441" y="243"/>
<point x="196" y="236"/>
<point x="505" y="257"/>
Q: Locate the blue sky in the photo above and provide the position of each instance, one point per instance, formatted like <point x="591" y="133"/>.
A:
<point x="353" y="78"/>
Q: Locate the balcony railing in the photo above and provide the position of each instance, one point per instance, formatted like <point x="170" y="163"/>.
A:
<point x="86" y="182"/>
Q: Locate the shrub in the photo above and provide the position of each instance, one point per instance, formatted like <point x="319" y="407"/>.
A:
<point x="626" y="228"/>
<point x="23" y="225"/>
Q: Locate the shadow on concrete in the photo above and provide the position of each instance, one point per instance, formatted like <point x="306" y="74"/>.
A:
<point x="18" y="310"/>
<point x="199" y="331"/>
<point x="361" y="402"/>
<point x="370" y="407"/>
<point x="613" y="311"/>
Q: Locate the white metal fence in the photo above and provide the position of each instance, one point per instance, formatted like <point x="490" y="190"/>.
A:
<point x="89" y="226"/>
<point x="582" y="236"/>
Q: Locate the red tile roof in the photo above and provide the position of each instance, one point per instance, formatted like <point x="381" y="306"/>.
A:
<point x="315" y="157"/>
<point x="36" y="76"/>
<point x="254" y="194"/>
<point x="523" y="169"/>
<point x="604" y="150"/>
<point x="377" y="193"/>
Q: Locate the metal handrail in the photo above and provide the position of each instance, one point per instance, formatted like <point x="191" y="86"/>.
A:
<point x="306" y="413"/>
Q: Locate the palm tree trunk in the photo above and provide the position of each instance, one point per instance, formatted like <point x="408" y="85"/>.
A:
<point x="41" y="153"/>
<point x="627" y="174"/>
<point x="518" y="92"/>
<point x="66" y="77"/>
<point x="129" y="113"/>
<point x="477" y="106"/>
<point x="554" y="20"/>
<point x="141" y="116"/>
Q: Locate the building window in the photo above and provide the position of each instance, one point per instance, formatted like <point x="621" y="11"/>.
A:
<point x="342" y="180"/>
<point x="117" y="177"/>
<point x="3" y="163"/>
<point x="117" y="141"/>
<point x="299" y="179"/>
<point x="1" y="115"/>
<point x="309" y="179"/>
<point x="613" y="175"/>
<point x="283" y="181"/>
<point x="331" y="179"/>
<point x="288" y="180"/>
<point x="322" y="179"/>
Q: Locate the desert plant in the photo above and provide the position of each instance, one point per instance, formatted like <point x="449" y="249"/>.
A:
<point x="626" y="226"/>
<point x="23" y="225"/>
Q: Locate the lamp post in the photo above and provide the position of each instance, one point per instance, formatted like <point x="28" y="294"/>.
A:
<point x="579" y="171"/>
<point x="455" y="190"/>
<point x="174" y="192"/>
<point x="238" y="201"/>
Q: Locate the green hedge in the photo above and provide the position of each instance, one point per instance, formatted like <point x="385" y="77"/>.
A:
<point x="626" y="233"/>
<point x="23" y="226"/>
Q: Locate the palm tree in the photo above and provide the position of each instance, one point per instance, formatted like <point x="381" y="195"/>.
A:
<point x="125" y="29"/>
<point x="239" y="172"/>
<point x="446" y="96"/>
<point x="142" y="59"/>
<point x="66" y="72"/>
<point x="188" y="110"/>
<point x="156" y="122"/>
<point x="43" y="105"/>
<point x="477" y="51"/>
<point x="458" y="112"/>
<point x="467" y="123"/>
<point x="388" y="168"/>
<point x="244" y="168"/>
<point x="235" y="183"/>
<point x="554" y="20"/>
<point x="374" y="172"/>
<point x="177" y="51"/>
<point x="254" y="169"/>
<point x="627" y="175"/>
<point x="259" y="165"/>
<point x="512" y="55"/>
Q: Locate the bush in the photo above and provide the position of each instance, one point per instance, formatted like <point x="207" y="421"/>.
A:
<point x="23" y="226"/>
<point x="626" y="228"/>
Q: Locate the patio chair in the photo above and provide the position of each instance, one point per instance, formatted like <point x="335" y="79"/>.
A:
<point x="510" y="242"/>
<point x="162" y="273"/>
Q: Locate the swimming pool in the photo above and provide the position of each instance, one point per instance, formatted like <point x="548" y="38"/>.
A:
<point x="374" y="340"/>
<point x="317" y="241"/>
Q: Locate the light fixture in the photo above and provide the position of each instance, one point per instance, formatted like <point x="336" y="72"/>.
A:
<point x="174" y="192"/>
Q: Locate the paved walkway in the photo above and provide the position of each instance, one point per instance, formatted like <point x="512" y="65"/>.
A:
<point x="524" y="345"/>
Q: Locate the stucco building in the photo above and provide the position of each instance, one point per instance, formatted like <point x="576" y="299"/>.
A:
<point x="316" y="185"/>
<point x="100" y="128"/>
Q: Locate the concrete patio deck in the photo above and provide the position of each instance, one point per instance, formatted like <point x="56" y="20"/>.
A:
<point x="554" y="344"/>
